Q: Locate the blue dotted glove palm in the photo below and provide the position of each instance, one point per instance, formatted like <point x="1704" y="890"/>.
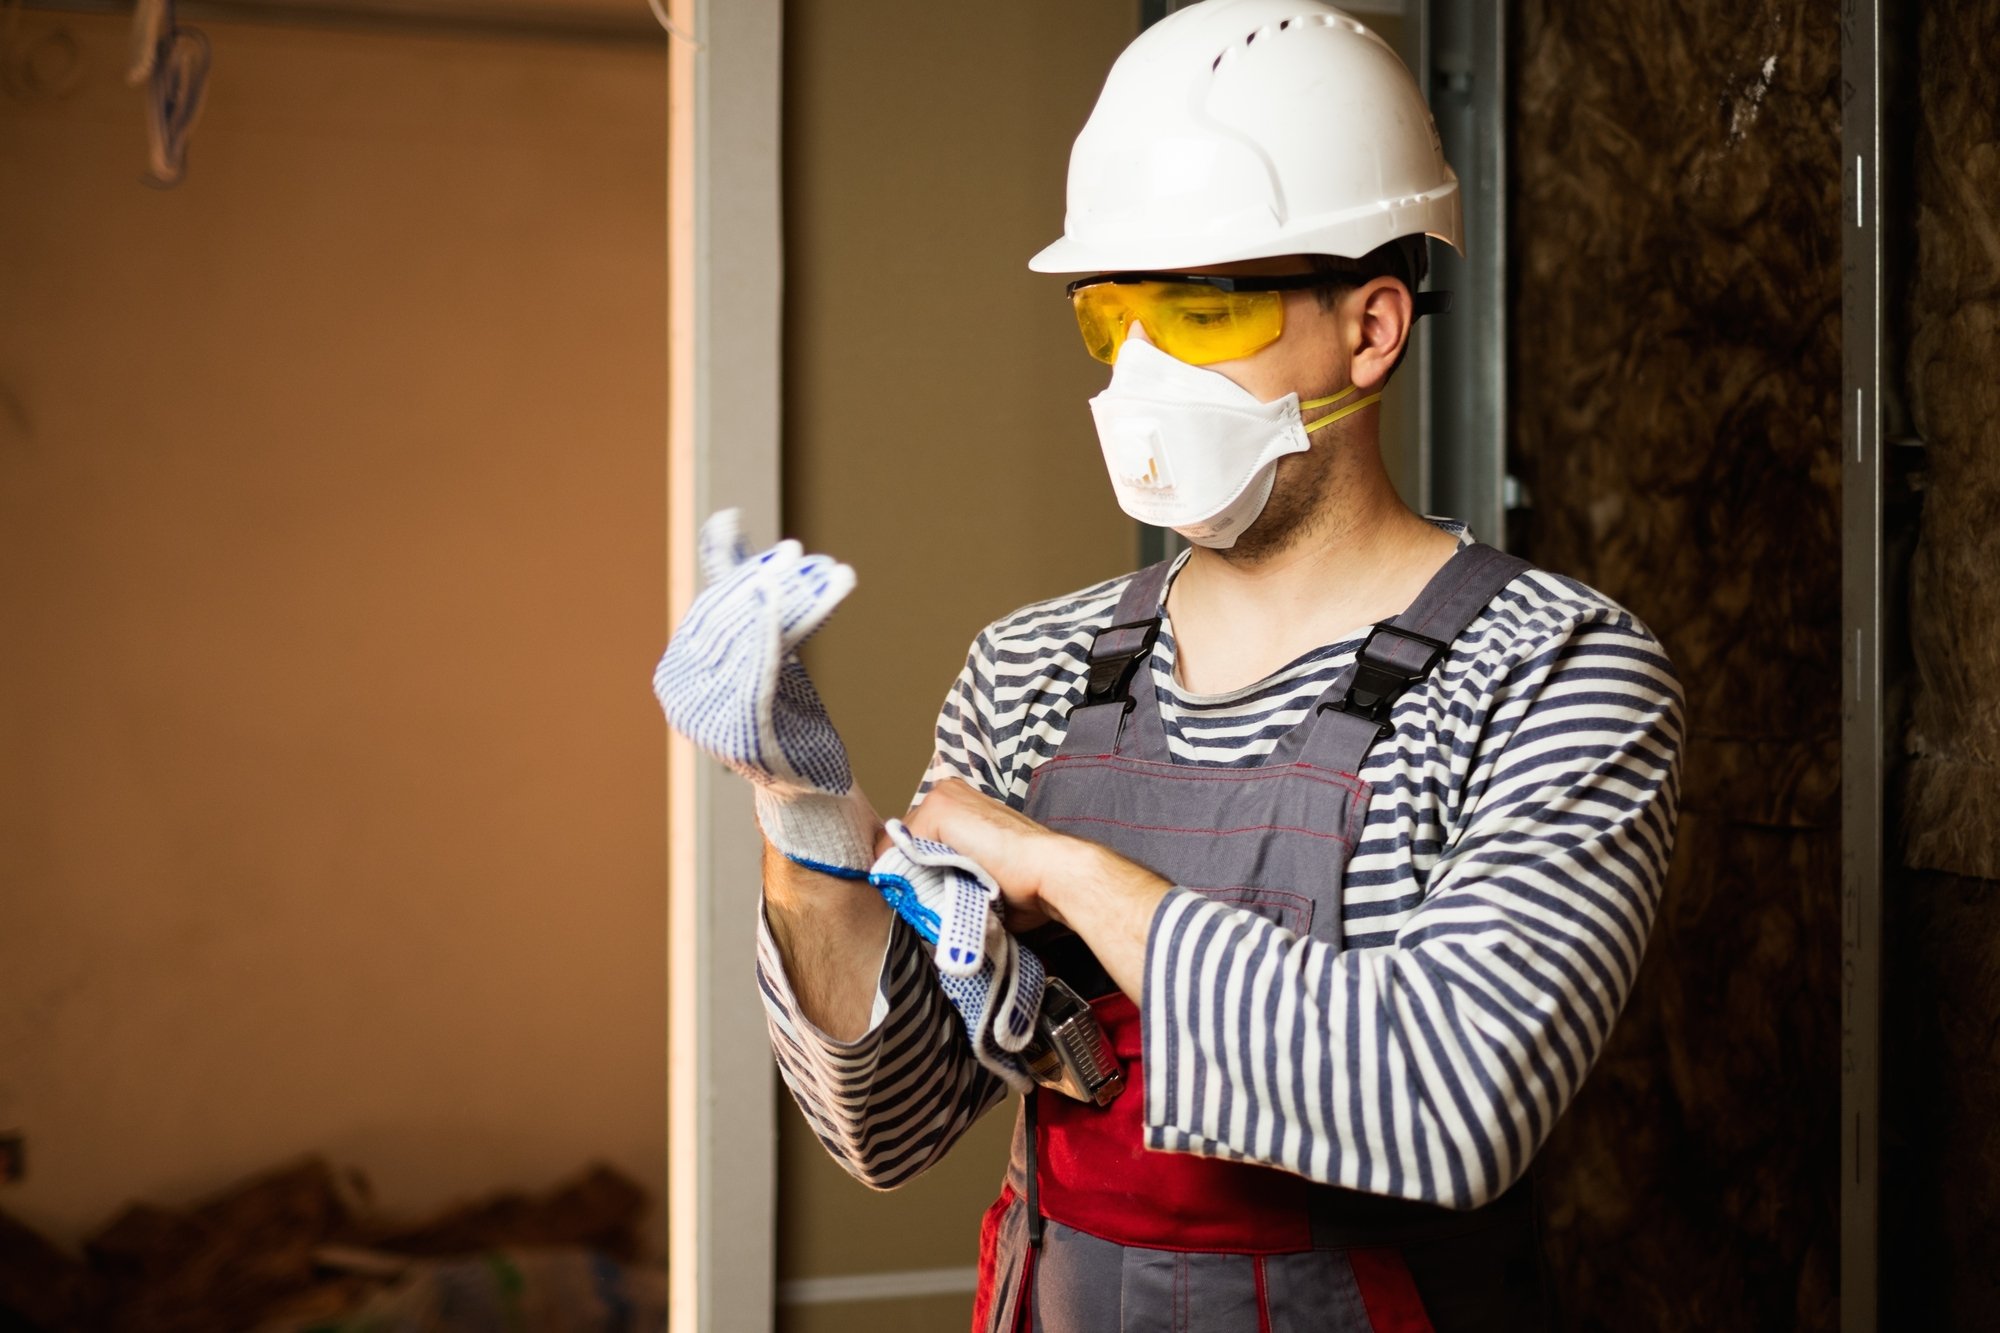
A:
<point x="731" y="682"/>
<point x="994" y="982"/>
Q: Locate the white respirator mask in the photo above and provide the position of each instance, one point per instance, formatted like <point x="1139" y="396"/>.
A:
<point x="1192" y="450"/>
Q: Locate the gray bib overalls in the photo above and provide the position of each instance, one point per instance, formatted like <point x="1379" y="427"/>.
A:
<point x="1093" y="1232"/>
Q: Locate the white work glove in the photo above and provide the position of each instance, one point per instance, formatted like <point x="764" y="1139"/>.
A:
<point x="993" y="981"/>
<point x="731" y="682"/>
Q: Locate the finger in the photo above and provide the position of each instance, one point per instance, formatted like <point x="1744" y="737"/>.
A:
<point x="961" y="943"/>
<point x="721" y="617"/>
<point x="759" y="594"/>
<point x="934" y="817"/>
<point x="806" y="585"/>
<point x="720" y="544"/>
<point x="972" y="997"/>
<point x="917" y="818"/>
<point x="829" y="590"/>
<point x="922" y="850"/>
<point x="782" y="556"/>
<point x="1023" y="979"/>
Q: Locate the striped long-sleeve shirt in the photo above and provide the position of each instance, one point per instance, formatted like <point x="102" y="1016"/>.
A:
<point x="1495" y="911"/>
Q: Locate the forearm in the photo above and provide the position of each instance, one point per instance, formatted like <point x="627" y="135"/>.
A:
<point x="831" y="934"/>
<point x="887" y="1081"/>
<point x="1108" y="901"/>
<point x="1431" y="1072"/>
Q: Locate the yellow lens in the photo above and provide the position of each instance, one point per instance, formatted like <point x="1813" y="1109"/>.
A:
<point x="1102" y="318"/>
<point x="1189" y="321"/>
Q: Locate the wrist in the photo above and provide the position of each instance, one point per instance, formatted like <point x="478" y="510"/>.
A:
<point x="819" y="830"/>
<point x="1070" y="871"/>
<point x="1089" y="886"/>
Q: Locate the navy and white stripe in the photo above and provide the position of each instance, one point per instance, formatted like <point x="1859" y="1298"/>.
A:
<point x="1495" y="911"/>
<point x="889" y="1103"/>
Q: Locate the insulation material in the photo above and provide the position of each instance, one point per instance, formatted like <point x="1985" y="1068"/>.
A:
<point x="1675" y="379"/>
<point x="1952" y="818"/>
<point x="1940" y="1082"/>
<point x="1941" y="1050"/>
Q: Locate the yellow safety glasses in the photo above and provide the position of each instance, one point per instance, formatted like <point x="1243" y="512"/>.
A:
<point x="1198" y="318"/>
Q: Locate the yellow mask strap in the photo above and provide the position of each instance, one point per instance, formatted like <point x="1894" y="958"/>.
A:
<point x="1332" y="417"/>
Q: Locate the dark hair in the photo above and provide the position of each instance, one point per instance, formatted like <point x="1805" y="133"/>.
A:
<point x="1407" y="259"/>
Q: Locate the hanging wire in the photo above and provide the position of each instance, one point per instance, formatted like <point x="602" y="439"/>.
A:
<point x="47" y="65"/>
<point x="172" y="62"/>
<point x="667" y="22"/>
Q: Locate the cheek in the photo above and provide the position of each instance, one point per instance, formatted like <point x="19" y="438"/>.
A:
<point x="1312" y="330"/>
<point x="1265" y="375"/>
<point x="1321" y="363"/>
<point x="1306" y="358"/>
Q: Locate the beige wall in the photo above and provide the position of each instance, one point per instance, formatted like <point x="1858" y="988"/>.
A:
<point x="331" y="516"/>
<point x="936" y="437"/>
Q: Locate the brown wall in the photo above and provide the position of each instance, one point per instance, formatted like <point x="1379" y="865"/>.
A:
<point x="937" y="438"/>
<point x="332" y="522"/>
<point x="1941" y="1080"/>
<point x="1675" y="374"/>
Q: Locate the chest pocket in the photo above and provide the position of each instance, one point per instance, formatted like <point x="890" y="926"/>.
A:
<point x="1281" y="907"/>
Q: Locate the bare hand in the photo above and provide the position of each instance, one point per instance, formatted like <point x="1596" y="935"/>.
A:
<point x="1048" y="876"/>
<point x="1021" y="855"/>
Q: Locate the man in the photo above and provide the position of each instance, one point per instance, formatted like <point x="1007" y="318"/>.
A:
<point x="1349" y="830"/>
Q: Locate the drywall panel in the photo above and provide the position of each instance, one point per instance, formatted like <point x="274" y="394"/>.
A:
<point x="332" y="521"/>
<point x="1675" y="376"/>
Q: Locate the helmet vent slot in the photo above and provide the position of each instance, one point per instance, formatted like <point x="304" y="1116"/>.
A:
<point x="1282" y="25"/>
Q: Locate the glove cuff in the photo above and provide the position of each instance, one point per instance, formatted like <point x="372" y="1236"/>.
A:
<point x="819" y="828"/>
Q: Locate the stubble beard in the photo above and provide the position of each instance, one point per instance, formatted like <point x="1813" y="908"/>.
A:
<point x="1296" y="510"/>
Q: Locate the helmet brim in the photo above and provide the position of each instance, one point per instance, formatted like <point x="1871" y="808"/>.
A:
<point x="1351" y="232"/>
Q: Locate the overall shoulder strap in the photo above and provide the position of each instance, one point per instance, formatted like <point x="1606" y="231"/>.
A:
<point x="1354" y="712"/>
<point x="1117" y="654"/>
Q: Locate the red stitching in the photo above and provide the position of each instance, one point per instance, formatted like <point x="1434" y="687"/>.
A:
<point x="1189" y="773"/>
<point x="1336" y="772"/>
<point x="1253" y="889"/>
<point x="1445" y="601"/>
<point x="1207" y="832"/>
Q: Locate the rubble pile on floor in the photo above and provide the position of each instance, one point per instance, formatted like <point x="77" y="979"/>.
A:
<point x="298" y="1250"/>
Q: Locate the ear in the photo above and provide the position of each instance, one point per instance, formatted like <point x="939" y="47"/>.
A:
<point x="1384" y="316"/>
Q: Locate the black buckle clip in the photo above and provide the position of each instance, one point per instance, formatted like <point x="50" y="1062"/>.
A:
<point x="1380" y="681"/>
<point x="1114" y="658"/>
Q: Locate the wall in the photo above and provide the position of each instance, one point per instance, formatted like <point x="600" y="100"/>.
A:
<point x="332" y="517"/>
<point x="1675" y="378"/>
<point x="1675" y="373"/>
<point x="1941" y="1080"/>
<point x="936" y="437"/>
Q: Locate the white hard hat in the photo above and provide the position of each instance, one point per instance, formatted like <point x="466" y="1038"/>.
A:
<point x="1240" y="129"/>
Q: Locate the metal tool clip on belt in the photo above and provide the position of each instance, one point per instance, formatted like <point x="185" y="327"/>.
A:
<point x="1069" y="1051"/>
